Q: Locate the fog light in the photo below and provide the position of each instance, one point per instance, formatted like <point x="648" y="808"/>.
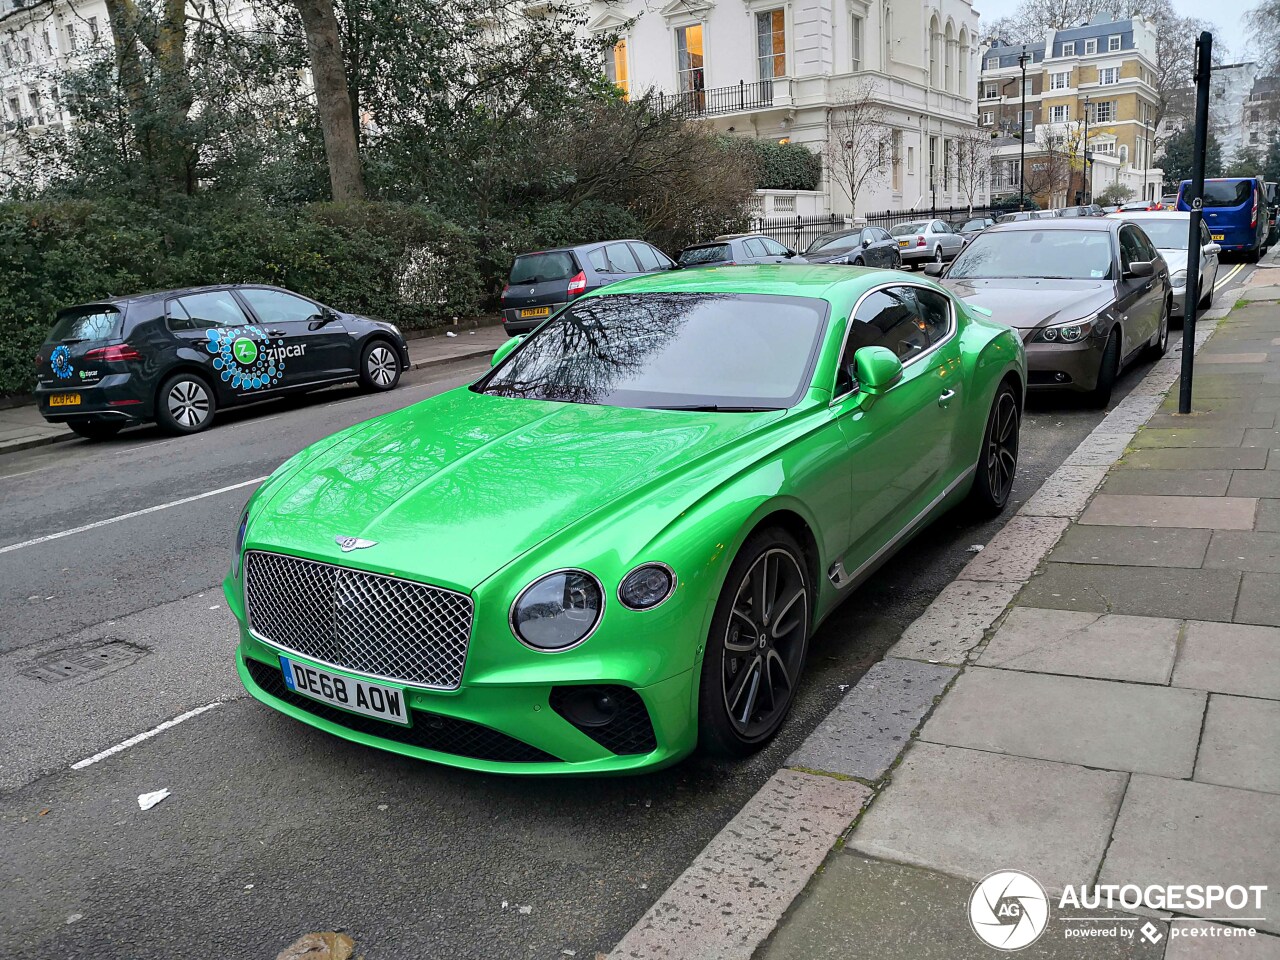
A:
<point x="646" y="586"/>
<point x="588" y="706"/>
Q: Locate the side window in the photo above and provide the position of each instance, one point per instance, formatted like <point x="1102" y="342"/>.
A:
<point x="621" y="259"/>
<point x="204" y="310"/>
<point x="1130" y="247"/>
<point x="178" y="317"/>
<point x="933" y="309"/>
<point x="881" y="233"/>
<point x="1205" y="237"/>
<point x="646" y="255"/>
<point x="1149" y="251"/>
<point x="869" y="235"/>
<point x="891" y="320"/>
<point x="599" y="262"/>
<point x="272" y="306"/>
<point x="775" y="248"/>
<point x="756" y="248"/>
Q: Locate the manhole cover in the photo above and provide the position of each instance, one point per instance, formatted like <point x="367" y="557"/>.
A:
<point x="86" y="662"/>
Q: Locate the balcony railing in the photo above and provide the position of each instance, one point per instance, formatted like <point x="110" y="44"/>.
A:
<point x="715" y="101"/>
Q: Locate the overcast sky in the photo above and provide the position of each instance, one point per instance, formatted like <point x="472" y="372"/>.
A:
<point x="1227" y="16"/>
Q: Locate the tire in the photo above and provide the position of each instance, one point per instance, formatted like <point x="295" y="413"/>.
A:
<point x="738" y="674"/>
<point x="937" y="254"/>
<point x="1253" y="256"/>
<point x="1108" y="371"/>
<point x="379" y="366"/>
<point x="857" y="263"/>
<point x="998" y="459"/>
<point x="1161" y="346"/>
<point x="1207" y="300"/>
<point x="185" y="403"/>
<point x="96" y="429"/>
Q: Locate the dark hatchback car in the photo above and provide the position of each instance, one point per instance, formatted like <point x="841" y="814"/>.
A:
<point x="859" y="247"/>
<point x="541" y="283"/>
<point x="732" y="251"/>
<point x="174" y="357"/>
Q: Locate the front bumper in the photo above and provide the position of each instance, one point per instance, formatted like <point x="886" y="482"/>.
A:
<point x="1065" y="366"/>
<point x="119" y="397"/>
<point x="510" y="728"/>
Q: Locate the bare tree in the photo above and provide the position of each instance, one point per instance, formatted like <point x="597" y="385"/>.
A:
<point x="337" y="118"/>
<point x="973" y="152"/>
<point x="859" y="142"/>
<point x="1048" y="170"/>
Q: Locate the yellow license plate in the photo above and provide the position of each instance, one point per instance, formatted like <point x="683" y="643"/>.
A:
<point x="1218" y="236"/>
<point x="903" y="243"/>
<point x="535" y="312"/>
<point x="64" y="400"/>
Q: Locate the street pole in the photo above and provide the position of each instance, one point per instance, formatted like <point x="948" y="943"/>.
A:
<point x="1146" y="160"/>
<point x="1084" y="166"/>
<point x="1204" y="55"/>
<point x="1022" y="133"/>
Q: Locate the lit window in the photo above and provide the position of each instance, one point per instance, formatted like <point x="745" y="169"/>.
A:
<point x="615" y="67"/>
<point x="771" y="44"/>
<point x="689" y="61"/>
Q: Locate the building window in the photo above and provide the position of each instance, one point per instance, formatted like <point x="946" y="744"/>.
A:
<point x="933" y="158"/>
<point x="1104" y="112"/>
<point x="1029" y="88"/>
<point x="48" y="44"/>
<point x="1069" y="49"/>
<point x="771" y="44"/>
<point x="1060" y="81"/>
<point x="1253" y="137"/>
<point x="26" y="49"/>
<point x="993" y="63"/>
<point x="93" y="27"/>
<point x="689" y="61"/>
<point x="988" y="117"/>
<point x="1108" y="148"/>
<point x="990" y="91"/>
<point x="935" y="51"/>
<point x="855" y="43"/>
<point x="1059" y="114"/>
<point x="911" y="161"/>
<point x="1108" y="75"/>
<point x="615" y="67"/>
<point x="1113" y="44"/>
<point x="1123" y="153"/>
<point x="1029" y="120"/>
<point x="896" y="157"/>
<point x="1090" y="46"/>
<point x="946" y="164"/>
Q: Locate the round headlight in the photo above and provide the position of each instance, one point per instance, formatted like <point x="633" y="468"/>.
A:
<point x="1072" y="334"/>
<point x="1049" y="334"/>
<point x="646" y="586"/>
<point x="1179" y="279"/>
<point x="558" y="611"/>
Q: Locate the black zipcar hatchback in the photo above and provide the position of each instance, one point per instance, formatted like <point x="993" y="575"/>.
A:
<point x="859" y="247"/>
<point x="176" y="356"/>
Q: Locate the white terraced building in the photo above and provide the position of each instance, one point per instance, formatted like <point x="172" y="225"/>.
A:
<point x="773" y="69"/>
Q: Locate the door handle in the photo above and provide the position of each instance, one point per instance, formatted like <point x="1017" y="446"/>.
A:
<point x="1149" y="285"/>
<point x="945" y="399"/>
<point x="276" y="333"/>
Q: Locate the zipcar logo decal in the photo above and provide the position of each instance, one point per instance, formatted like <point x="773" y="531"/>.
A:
<point x="247" y="358"/>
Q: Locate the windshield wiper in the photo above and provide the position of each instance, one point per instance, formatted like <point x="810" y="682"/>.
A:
<point x="713" y="408"/>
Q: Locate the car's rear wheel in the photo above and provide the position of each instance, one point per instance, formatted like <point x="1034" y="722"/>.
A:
<point x="185" y="404"/>
<point x="1108" y="371"/>
<point x="857" y="262"/>
<point x="757" y="646"/>
<point x="998" y="463"/>
<point x="1160" y="346"/>
<point x="379" y="366"/>
<point x="1207" y="300"/>
<point x="937" y="254"/>
<point x="96" y="429"/>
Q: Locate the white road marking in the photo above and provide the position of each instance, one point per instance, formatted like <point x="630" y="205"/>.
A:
<point x="126" y="744"/>
<point x="129" y="516"/>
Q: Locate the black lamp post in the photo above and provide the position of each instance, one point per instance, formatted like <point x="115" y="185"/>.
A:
<point x="1022" y="132"/>
<point x="1084" y="172"/>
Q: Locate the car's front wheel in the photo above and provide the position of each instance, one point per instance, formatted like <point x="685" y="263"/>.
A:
<point x="1108" y="371"/>
<point x="379" y="366"/>
<point x="1160" y="345"/>
<point x="757" y="646"/>
<point x="185" y="404"/>
<point x="998" y="462"/>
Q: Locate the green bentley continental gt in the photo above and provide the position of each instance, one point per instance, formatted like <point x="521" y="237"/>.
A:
<point x="616" y="545"/>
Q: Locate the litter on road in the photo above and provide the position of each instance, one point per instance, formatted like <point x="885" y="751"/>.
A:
<point x="148" y="800"/>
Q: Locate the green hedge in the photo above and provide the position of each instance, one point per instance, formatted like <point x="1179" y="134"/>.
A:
<point x="782" y="166"/>
<point x="395" y="262"/>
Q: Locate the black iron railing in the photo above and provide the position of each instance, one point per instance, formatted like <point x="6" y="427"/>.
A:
<point x="714" y="101"/>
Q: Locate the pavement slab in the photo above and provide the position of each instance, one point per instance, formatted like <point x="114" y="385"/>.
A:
<point x="1241" y="744"/>
<point x="1016" y="551"/>
<point x="733" y="894"/>
<point x="864" y="909"/>
<point x="872" y="723"/>
<point x="1198" y="458"/>
<point x="967" y="813"/>
<point x="1229" y="658"/>
<point x="1099" y="449"/>
<point x="1259" y="599"/>
<point x="1180" y="831"/>
<point x="1201" y="940"/>
<point x="1255" y="483"/>
<point x="1190" y="436"/>
<point x="1139" y="591"/>
<point x="1066" y="492"/>
<point x="1174" y="483"/>
<point x="1244" y="550"/>
<point x="1210" y="513"/>
<point x="1268" y="515"/>
<point x="1240" y="417"/>
<point x="955" y="622"/>
<point x="1071" y="720"/>
<point x="1134" y="546"/>
<point x="1081" y="644"/>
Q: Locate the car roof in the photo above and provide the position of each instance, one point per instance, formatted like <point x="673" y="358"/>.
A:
<point x="578" y="246"/>
<point x="174" y="292"/>
<point x="1098" y="224"/>
<point x="1151" y="215"/>
<point x="812" y="280"/>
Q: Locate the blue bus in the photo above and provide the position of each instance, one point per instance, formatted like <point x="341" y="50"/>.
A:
<point x="1236" y="213"/>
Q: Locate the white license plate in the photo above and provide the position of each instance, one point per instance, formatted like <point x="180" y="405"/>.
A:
<point x="360" y="696"/>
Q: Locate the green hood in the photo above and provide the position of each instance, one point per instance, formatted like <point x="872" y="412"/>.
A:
<point x="454" y="488"/>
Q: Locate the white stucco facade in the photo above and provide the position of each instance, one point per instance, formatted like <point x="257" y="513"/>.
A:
<point x="773" y="69"/>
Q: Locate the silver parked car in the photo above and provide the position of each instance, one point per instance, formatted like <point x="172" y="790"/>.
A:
<point x="924" y="241"/>
<point x="1168" y="231"/>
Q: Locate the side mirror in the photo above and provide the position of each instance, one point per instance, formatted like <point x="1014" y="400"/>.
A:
<point x="934" y="269"/>
<point x="1141" y="268"/>
<point x="1211" y="248"/>
<point x="790" y="252"/>
<point x="865" y="244"/>
<point x="878" y="369"/>
<point x="501" y="353"/>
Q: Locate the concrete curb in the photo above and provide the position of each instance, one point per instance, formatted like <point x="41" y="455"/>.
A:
<point x="944" y="638"/>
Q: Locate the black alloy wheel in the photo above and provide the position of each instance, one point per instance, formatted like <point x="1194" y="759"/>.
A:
<point x="998" y="464"/>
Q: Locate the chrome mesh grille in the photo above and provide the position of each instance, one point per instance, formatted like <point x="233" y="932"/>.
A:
<point x="360" y="621"/>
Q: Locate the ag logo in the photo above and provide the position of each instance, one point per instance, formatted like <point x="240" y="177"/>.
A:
<point x="245" y="351"/>
<point x="1008" y="910"/>
<point x="353" y="543"/>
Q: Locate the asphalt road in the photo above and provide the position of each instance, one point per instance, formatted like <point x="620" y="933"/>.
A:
<point x="273" y="829"/>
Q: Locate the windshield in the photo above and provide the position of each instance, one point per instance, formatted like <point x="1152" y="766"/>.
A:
<point x="833" y="242"/>
<point x="1055" y="254"/>
<point x="1226" y="193"/>
<point x="902" y="229"/>
<point x="714" y="254"/>
<point x="727" y="352"/>
<point x="86" y="323"/>
<point x="1167" y="233"/>
<point x="543" y="267"/>
<point x="973" y="225"/>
